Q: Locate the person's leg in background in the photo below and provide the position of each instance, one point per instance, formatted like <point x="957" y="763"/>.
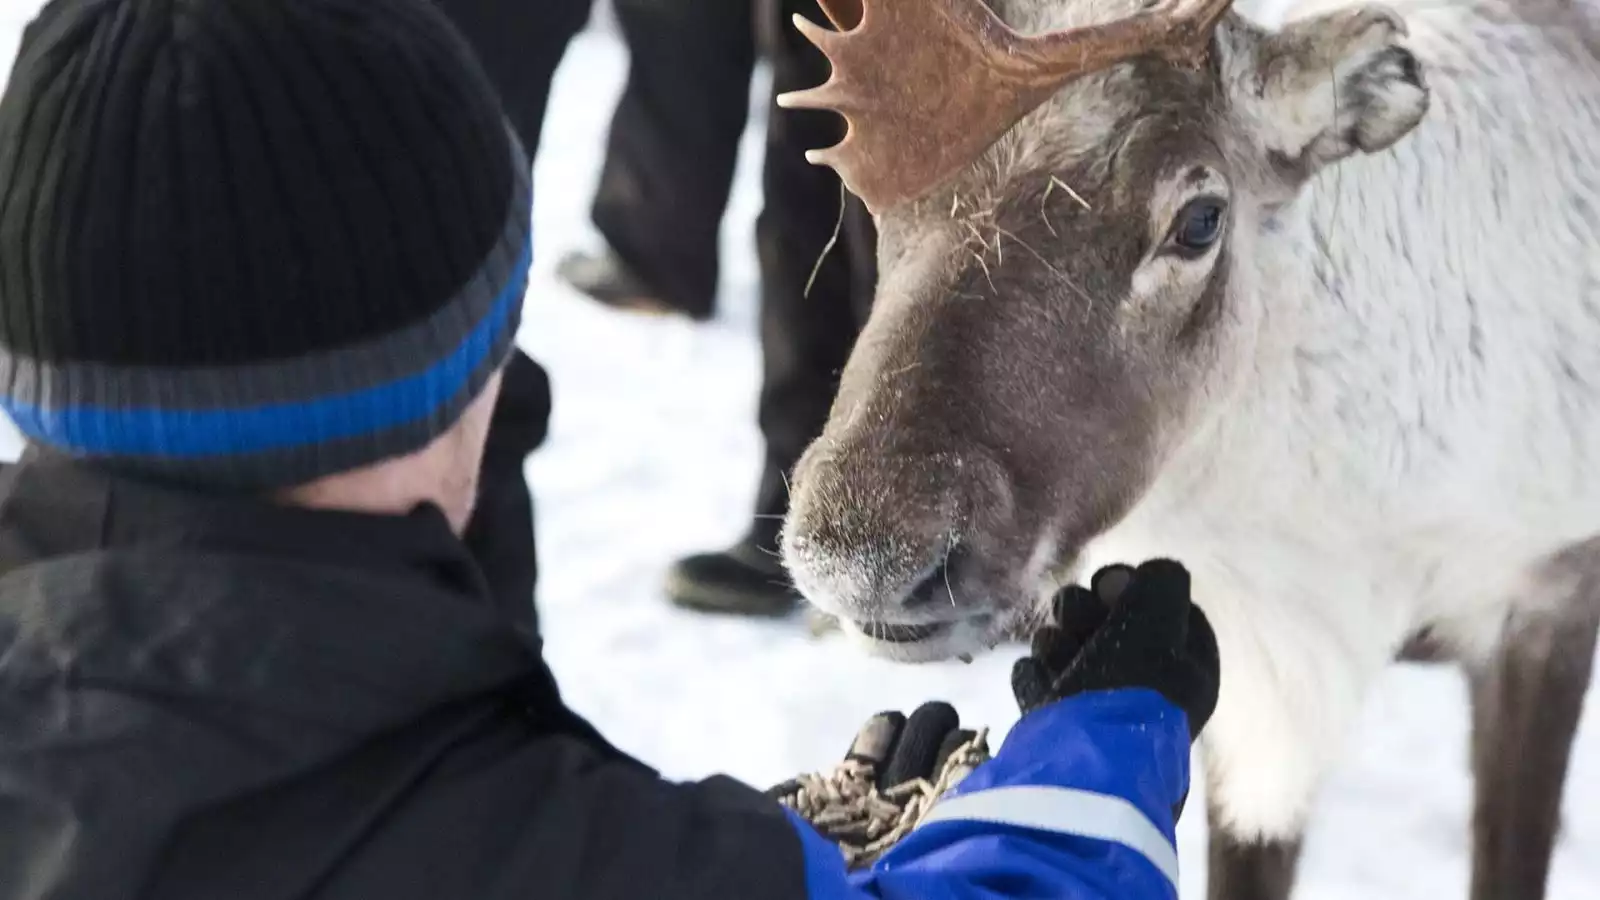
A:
<point x="670" y="158"/>
<point x="519" y="44"/>
<point x="805" y="336"/>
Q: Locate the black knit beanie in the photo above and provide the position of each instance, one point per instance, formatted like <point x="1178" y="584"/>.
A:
<point x="248" y="243"/>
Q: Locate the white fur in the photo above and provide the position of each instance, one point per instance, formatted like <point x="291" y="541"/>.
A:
<point x="1417" y="430"/>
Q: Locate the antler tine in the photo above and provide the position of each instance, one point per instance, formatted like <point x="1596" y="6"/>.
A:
<point x="821" y="38"/>
<point x="844" y="14"/>
<point x="925" y="86"/>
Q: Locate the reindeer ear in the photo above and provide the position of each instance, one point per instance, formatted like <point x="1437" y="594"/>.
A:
<point x="1328" y="86"/>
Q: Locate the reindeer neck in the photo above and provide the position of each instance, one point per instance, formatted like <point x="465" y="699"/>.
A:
<point x="1422" y="310"/>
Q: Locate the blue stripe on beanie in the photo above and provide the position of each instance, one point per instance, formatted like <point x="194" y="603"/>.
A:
<point x="91" y="430"/>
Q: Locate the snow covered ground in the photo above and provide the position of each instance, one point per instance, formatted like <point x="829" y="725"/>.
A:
<point x="654" y="453"/>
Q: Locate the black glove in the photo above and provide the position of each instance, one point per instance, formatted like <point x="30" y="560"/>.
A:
<point x="895" y="768"/>
<point x="901" y="749"/>
<point x="1130" y="628"/>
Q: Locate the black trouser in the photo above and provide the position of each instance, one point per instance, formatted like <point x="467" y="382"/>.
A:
<point x="519" y="44"/>
<point x="674" y="142"/>
<point x="805" y="338"/>
<point x="669" y="165"/>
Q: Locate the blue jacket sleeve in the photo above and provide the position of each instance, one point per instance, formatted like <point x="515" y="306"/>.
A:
<point x="1077" y="805"/>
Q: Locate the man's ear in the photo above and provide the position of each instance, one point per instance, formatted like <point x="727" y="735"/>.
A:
<point x="1325" y="87"/>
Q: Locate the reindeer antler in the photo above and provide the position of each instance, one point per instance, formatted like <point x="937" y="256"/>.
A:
<point x="925" y="86"/>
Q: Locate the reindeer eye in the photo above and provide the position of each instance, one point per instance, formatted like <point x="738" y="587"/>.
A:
<point x="1197" y="227"/>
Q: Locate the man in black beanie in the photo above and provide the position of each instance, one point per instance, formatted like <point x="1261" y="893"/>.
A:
<point x="261" y="267"/>
<point x="286" y="197"/>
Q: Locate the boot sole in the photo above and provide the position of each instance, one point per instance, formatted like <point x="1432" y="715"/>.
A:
<point x="728" y="601"/>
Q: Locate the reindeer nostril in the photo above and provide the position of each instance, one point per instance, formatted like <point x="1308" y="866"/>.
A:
<point x="938" y="586"/>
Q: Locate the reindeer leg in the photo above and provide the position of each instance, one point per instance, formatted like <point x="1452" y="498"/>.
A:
<point x="1291" y="689"/>
<point x="1526" y="701"/>
<point x="1250" y="870"/>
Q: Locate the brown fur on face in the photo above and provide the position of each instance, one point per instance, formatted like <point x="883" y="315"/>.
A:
<point x="1037" y="344"/>
<point x="1004" y="375"/>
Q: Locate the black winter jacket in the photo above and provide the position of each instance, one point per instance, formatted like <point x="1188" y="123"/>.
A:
<point x="210" y="699"/>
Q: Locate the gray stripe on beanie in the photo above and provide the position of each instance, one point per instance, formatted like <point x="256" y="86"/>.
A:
<point x="276" y="469"/>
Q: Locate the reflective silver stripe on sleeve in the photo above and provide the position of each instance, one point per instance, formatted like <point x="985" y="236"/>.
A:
<point x="1066" y="811"/>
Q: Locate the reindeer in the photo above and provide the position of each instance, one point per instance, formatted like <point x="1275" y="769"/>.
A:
<point x="1315" y="311"/>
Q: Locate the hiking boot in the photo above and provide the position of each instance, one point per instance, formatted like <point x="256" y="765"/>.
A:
<point x="609" y="281"/>
<point x="746" y="579"/>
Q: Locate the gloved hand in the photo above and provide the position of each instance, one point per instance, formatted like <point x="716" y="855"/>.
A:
<point x="894" y="770"/>
<point x="1129" y="628"/>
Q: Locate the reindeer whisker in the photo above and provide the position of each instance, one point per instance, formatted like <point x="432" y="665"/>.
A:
<point x="1055" y="270"/>
<point x="833" y="240"/>
<point x="950" y="548"/>
<point x="1055" y="181"/>
<point x="1338" y="171"/>
<point x="977" y="235"/>
<point x="986" y="273"/>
